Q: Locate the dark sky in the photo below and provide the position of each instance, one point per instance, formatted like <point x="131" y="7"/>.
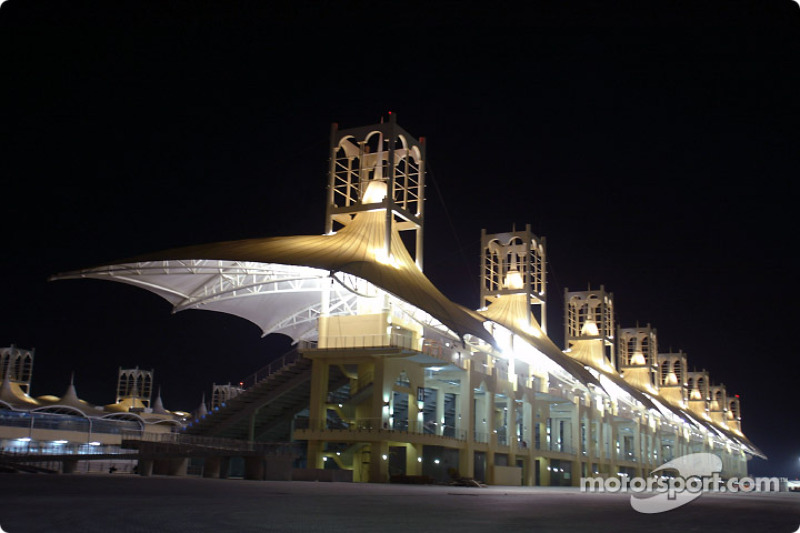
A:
<point x="654" y="145"/>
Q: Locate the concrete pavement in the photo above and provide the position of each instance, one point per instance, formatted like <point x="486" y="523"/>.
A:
<point x="122" y="503"/>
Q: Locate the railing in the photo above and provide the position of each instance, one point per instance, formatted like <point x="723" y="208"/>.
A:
<point x="480" y="436"/>
<point x="212" y="442"/>
<point x="559" y="447"/>
<point x="260" y="375"/>
<point x="376" y="340"/>
<point x="626" y="456"/>
<point x="377" y="425"/>
<point x="62" y="422"/>
<point x="444" y="353"/>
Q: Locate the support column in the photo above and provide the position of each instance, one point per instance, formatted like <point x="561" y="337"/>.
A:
<point x="378" y="466"/>
<point x="254" y="467"/>
<point x="317" y="410"/>
<point x="178" y="467"/>
<point x="145" y="467"/>
<point x="413" y="465"/>
<point x="211" y="467"/>
<point x="69" y="466"/>
<point x="439" y="411"/>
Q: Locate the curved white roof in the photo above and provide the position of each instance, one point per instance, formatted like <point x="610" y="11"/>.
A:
<point x="203" y="277"/>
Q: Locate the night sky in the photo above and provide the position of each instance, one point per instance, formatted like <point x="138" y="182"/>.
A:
<point x="654" y="144"/>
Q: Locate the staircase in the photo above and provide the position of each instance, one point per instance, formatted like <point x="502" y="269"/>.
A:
<point x="264" y="411"/>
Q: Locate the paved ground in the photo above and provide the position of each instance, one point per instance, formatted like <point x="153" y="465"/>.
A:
<point x="123" y="503"/>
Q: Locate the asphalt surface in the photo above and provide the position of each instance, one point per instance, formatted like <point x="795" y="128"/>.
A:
<point x="123" y="503"/>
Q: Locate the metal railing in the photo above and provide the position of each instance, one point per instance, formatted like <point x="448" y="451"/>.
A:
<point x="64" y="422"/>
<point x="262" y="374"/>
<point x="559" y="447"/>
<point x="376" y="340"/>
<point x="182" y="439"/>
<point x="378" y="425"/>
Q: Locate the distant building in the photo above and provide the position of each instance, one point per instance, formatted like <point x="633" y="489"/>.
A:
<point x="66" y="424"/>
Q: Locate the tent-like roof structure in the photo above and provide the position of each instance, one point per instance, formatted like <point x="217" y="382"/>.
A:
<point x="12" y="394"/>
<point x="512" y="312"/>
<point x="69" y="401"/>
<point x="249" y="278"/>
<point x="590" y="352"/>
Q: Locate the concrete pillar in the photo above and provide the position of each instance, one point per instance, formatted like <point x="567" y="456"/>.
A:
<point x="254" y="467"/>
<point x="465" y="421"/>
<point x="145" y="467"/>
<point x="413" y="465"/>
<point x="224" y="467"/>
<point x="544" y="473"/>
<point x="381" y="396"/>
<point x="178" y="467"/>
<point x="414" y="413"/>
<point x="314" y="455"/>
<point x="378" y="466"/>
<point x="216" y="467"/>
<point x="490" y="426"/>
<point x="317" y="410"/>
<point x="211" y="467"/>
<point x="576" y="473"/>
<point x="69" y="466"/>
<point x="439" y="411"/>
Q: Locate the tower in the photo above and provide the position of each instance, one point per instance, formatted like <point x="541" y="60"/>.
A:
<point x="17" y="364"/>
<point x="637" y="350"/>
<point x="698" y="383"/>
<point x="135" y="385"/>
<point x="672" y="373"/>
<point x="385" y="153"/>
<point x="589" y="316"/>
<point x="734" y="415"/>
<point x="221" y="394"/>
<point x="718" y="404"/>
<point x="515" y="263"/>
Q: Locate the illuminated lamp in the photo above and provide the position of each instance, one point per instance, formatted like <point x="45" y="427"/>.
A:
<point x="375" y="192"/>
<point x="672" y="379"/>
<point x="638" y="359"/>
<point x="513" y="280"/>
<point x="590" y="328"/>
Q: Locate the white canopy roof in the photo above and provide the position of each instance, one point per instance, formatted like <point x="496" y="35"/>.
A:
<point x="277" y="282"/>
